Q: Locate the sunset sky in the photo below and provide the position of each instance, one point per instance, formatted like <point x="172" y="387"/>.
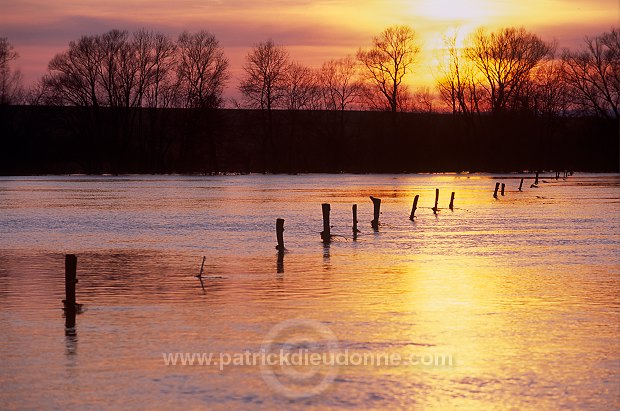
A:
<point x="312" y="30"/>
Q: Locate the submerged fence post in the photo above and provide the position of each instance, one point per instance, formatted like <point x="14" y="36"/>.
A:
<point x="280" y="234"/>
<point x="535" y="181"/>
<point x="355" y="230"/>
<point x="70" y="281"/>
<point x="71" y="308"/>
<point x="451" y="206"/>
<point x="376" y="202"/>
<point x="415" y="206"/>
<point x="503" y="187"/>
<point x="496" y="188"/>
<point x="435" y="209"/>
<point x="521" y="185"/>
<point x="325" y="234"/>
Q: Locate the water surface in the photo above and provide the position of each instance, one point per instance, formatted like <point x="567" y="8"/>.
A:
<point x="522" y="291"/>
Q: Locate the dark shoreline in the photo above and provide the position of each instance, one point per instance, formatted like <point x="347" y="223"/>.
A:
<point x="42" y="140"/>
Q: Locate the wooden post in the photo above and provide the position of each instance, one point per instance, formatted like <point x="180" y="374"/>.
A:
<point x="503" y="187"/>
<point x="355" y="230"/>
<point x="280" y="234"/>
<point x="521" y="185"/>
<point x="435" y="209"/>
<point x="415" y="206"/>
<point x="535" y="185"/>
<point x="496" y="188"/>
<point x="70" y="281"/>
<point x="451" y="206"/>
<point x="376" y="202"/>
<point x="325" y="234"/>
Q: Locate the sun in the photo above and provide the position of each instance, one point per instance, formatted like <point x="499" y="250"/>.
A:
<point x="461" y="11"/>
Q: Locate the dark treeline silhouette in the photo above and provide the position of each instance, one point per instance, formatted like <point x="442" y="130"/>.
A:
<point x="59" y="140"/>
<point x="145" y="103"/>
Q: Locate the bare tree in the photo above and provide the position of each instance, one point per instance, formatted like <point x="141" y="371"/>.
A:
<point x="339" y="83"/>
<point x="263" y="84"/>
<point x="202" y="71"/>
<point x="73" y="77"/>
<point x="422" y="100"/>
<point x="457" y="84"/>
<point x="593" y="74"/>
<point x="156" y="60"/>
<point x="506" y="59"/>
<point x="389" y="60"/>
<point x="113" y="70"/>
<point x="546" y="92"/>
<point x="300" y="87"/>
<point x="11" y="89"/>
<point x="118" y="71"/>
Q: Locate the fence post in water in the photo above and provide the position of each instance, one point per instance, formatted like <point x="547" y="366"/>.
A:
<point x="503" y="187"/>
<point x="435" y="209"/>
<point x="325" y="234"/>
<point x="376" y="202"/>
<point x="451" y="206"/>
<point x="355" y="230"/>
<point x="70" y="280"/>
<point x="280" y="234"/>
<point x="521" y="185"/>
<point x="415" y="206"/>
<point x="536" y="180"/>
<point x="496" y="188"/>
<point x="71" y="308"/>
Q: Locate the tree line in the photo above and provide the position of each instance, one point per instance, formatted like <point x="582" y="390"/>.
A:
<point x="510" y="69"/>
<point x="144" y="102"/>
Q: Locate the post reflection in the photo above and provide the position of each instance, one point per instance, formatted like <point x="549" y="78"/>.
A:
<point x="280" y="263"/>
<point x="71" y="338"/>
<point x="326" y="256"/>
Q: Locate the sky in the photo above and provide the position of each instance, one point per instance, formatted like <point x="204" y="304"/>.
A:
<point x="313" y="31"/>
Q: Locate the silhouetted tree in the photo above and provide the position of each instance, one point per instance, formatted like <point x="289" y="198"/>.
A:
<point x="340" y="84"/>
<point x="264" y="82"/>
<point x="458" y="86"/>
<point x="506" y="58"/>
<point x="202" y="70"/>
<point x="117" y="72"/>
<point x="547" y="92"/>
<point x="593" y="75"/>
<point x="11" y="89"/>
<point x="157" y="59"/>
<point x="74" y="75"/>
<point x="421" y="100"/>
<point x="263" y="86"/>
<point x="389" y="60"/>
<point x="300" y="88"/>
<point x="113" y="70"/>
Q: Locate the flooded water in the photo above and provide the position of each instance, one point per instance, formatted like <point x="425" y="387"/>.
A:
<point x="507" y="303"/>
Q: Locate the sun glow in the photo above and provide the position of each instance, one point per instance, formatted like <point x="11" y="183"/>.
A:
<point x="463" y="11"/>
